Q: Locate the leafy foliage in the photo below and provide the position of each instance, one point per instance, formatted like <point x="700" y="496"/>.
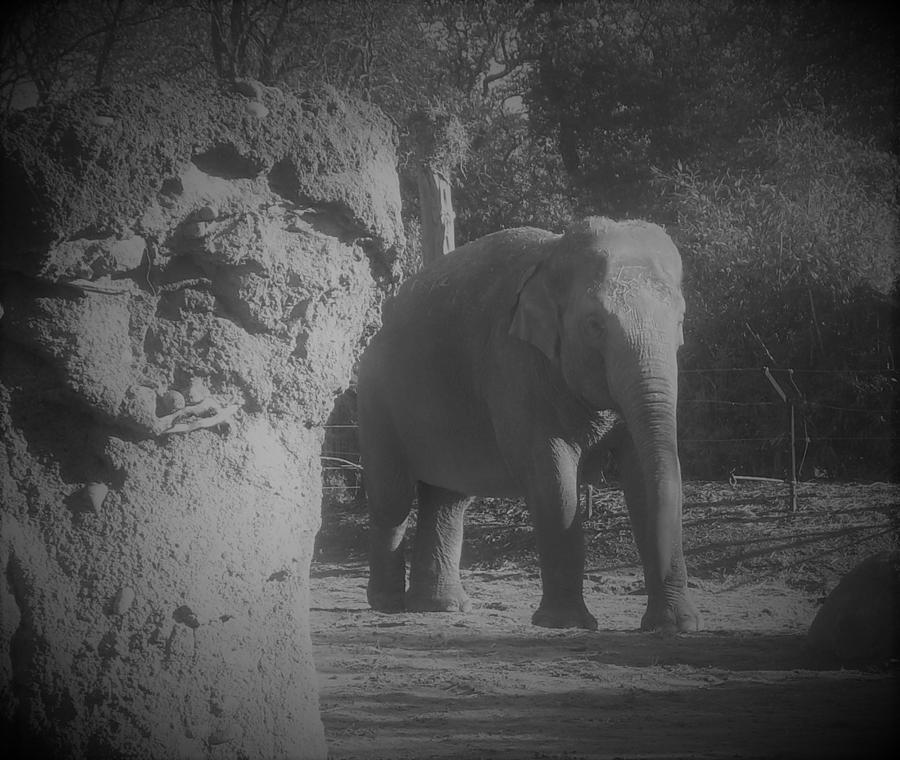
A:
<point x="811" y="212"/>
<point x="791" y="262"/>
<point x="509" y="180"/>
<point x="50" y="49"/>
<point x="624" y="86"/>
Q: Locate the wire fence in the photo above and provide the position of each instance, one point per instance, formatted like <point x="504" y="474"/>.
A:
<point x="801" y="430"/>
<point x="791" y="424"/>
<point x="341" y="461"/>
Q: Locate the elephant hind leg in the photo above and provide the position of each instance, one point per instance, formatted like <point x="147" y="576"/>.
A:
<point x="434" y="584"/>
<point x="389" y="492"/>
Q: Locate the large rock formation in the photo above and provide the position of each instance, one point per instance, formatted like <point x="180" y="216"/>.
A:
<point x="186" y="280"/>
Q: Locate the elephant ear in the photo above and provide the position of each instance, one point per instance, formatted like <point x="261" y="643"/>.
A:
<point x="536" y="316"/>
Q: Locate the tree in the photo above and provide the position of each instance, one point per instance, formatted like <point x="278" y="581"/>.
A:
<point x="472" y="47"/>
<point x="624" y="86"/>
<point x="441" y="143"/>
<point x="811" y="213"/>
<point x="53" y="48"/>
<point x="511" y="180"/>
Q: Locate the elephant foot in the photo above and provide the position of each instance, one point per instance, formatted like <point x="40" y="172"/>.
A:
<point x="669" y="618"/>
<point x="572" y="615"/>
<point x="385" y="601"/>
<point x="455" y="600"/>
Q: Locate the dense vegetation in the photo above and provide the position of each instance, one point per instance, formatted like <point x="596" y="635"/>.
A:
<point x="763" y="135"/>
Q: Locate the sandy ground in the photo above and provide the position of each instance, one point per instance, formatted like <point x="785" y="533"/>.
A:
<point x="488" y="684"/>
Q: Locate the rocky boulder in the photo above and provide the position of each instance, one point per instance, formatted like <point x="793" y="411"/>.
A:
<point x="859" y="621"/>
<point x="186" y="280"/>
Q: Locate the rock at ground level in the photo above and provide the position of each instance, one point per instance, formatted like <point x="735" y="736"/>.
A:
<point x="185" y="287"/>
<point x="859" y="622"/>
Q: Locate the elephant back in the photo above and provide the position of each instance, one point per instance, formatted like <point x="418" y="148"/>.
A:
<point x="473" y="278"/>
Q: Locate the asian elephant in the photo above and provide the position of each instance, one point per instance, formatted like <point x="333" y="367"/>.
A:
<point x="499" y="371"/>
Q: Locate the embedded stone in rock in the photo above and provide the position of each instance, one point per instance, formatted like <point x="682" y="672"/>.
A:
<point x="196" y="229"/>
<point x="860" y="619"/>
<point x="257" y="109"/>
<point x="206" y="214"/>
<point x="169" y="402"/>
<point x="129" y="339"/>
<point x="95" y="495"/>
<point x="196" y="391"/>
<point x="127" y="254"/>
<point x="250" y="88"/>
<point x="123" y="600"/>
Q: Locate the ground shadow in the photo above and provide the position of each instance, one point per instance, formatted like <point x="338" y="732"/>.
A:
<point x="800" y="719"/>
<point x="734" y="650"/>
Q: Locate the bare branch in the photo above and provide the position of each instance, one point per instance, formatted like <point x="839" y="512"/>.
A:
<point x="109" y="41"/>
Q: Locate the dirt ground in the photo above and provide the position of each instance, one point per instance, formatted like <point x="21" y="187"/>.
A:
<point x="488" y="684"/>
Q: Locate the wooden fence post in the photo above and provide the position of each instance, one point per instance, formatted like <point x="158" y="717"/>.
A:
<point x="792" y="435"/>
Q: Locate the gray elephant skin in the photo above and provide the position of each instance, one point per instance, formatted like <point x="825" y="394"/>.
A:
<point x="502" y="370"/>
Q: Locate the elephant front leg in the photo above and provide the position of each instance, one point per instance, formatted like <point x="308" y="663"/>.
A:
<point x="654" y="506"/>
<point x="553" y="503"/>
<point x="434" y="584"/>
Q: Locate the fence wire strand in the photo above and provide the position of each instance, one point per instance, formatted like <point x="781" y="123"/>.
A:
<point x="340" y="454"/>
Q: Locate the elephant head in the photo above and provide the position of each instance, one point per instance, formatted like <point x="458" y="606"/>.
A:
<point x="605" y="307"/>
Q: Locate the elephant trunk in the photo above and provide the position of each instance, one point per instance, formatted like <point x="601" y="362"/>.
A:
<point x="646" y="391"/>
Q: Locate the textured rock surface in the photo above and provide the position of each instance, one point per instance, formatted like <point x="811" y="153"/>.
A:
<point x="860" y="620"/>
<point x="185" y="283"/>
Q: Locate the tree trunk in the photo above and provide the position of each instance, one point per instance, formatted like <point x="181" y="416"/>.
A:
<point x="436" y="209"/>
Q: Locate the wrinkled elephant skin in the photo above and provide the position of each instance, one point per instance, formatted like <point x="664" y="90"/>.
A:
<point x="502" y="370"/>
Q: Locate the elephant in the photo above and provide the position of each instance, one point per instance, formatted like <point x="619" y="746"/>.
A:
<point x="501" y="370"/>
